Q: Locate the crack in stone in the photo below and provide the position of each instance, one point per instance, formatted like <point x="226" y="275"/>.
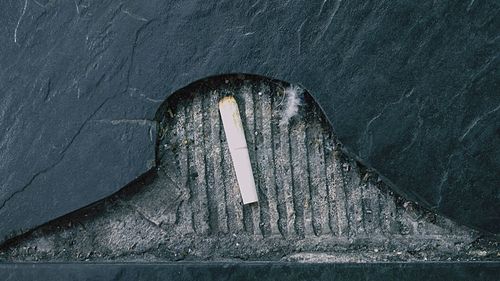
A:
<point x="420" y="123"/>
<point x="62" y="154"/>
<point x="329" y="22"/>
<point x="134" y="16"/>
<point x="367" y="128"/>
<point x="85" y="123"/>
<point x="476" y="121"/>
<point x="22" y="189"/>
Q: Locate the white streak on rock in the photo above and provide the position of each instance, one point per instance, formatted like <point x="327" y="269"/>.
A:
<point x="19" y="20"/>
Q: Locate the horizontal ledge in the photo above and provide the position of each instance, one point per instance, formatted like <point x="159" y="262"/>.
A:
<point x="273" y="270"/>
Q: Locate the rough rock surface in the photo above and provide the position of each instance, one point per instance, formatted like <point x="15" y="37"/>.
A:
<point x="315" y="205"/>
<point x="410" y="87"/>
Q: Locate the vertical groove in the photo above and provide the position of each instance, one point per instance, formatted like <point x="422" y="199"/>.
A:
<point x="308" y="208"/>
<point x="189" y="154"/>
<point x="212" y="161"/>
<point x="371" y="211"/>
<point x="218" y="174"/>
<point x="402" y="220"/>
<point x="247" y="209"/>
<point x="260" y="172"/>
<point x="287" y="179"/>
<point x="256" y="209"/>
<point x="378" y="214"/>
<point x="360" y="210"/>
<point x="277" y="159"/>
<point x="365" y="204"/>
<point x="247" y="218"/>
<point x="201" y="215"/>
<point x="267" y="154"/>
<point x="300" y="174"/>
<point x="312" y="167"/>
<point x="250" y="136"/>
<point x="332" y="188"/>
<point x="382" y="215"/>
<point x="284" y="179"/>
<point x="325" y="190"/>
<point x="177" y="144"/>
<point x="317" y="176"/>
<point x="233" y="196"/>
<point x="341" y="195"/>
<point x="388" y="213"/>
<point x="353" y="191"/>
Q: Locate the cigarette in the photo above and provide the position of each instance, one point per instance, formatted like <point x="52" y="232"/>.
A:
<point x="238" y="149"/>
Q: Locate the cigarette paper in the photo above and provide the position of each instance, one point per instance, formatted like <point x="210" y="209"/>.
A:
<point x="237" y="144"/>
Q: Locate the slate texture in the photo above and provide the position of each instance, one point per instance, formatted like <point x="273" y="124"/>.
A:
<point x="410" y="87"/>
<point x="315" y="204"/>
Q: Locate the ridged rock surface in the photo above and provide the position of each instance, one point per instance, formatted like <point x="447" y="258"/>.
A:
<point x="315" y="204"/>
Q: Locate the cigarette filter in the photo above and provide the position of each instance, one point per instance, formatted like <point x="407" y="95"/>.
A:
<point x="236" y="141"/>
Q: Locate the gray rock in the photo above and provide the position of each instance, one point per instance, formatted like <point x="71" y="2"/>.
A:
<point x="315" y="204"/>
<point x="411" y="89"/>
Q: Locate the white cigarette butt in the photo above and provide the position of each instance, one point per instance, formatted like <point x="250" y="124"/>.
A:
<point x="237" y="144"/>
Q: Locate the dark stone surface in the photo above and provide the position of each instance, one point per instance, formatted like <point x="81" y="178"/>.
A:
<point x="411" y="89"/>
<point x="189" y="207"/>
<point x="253" y="271"/>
